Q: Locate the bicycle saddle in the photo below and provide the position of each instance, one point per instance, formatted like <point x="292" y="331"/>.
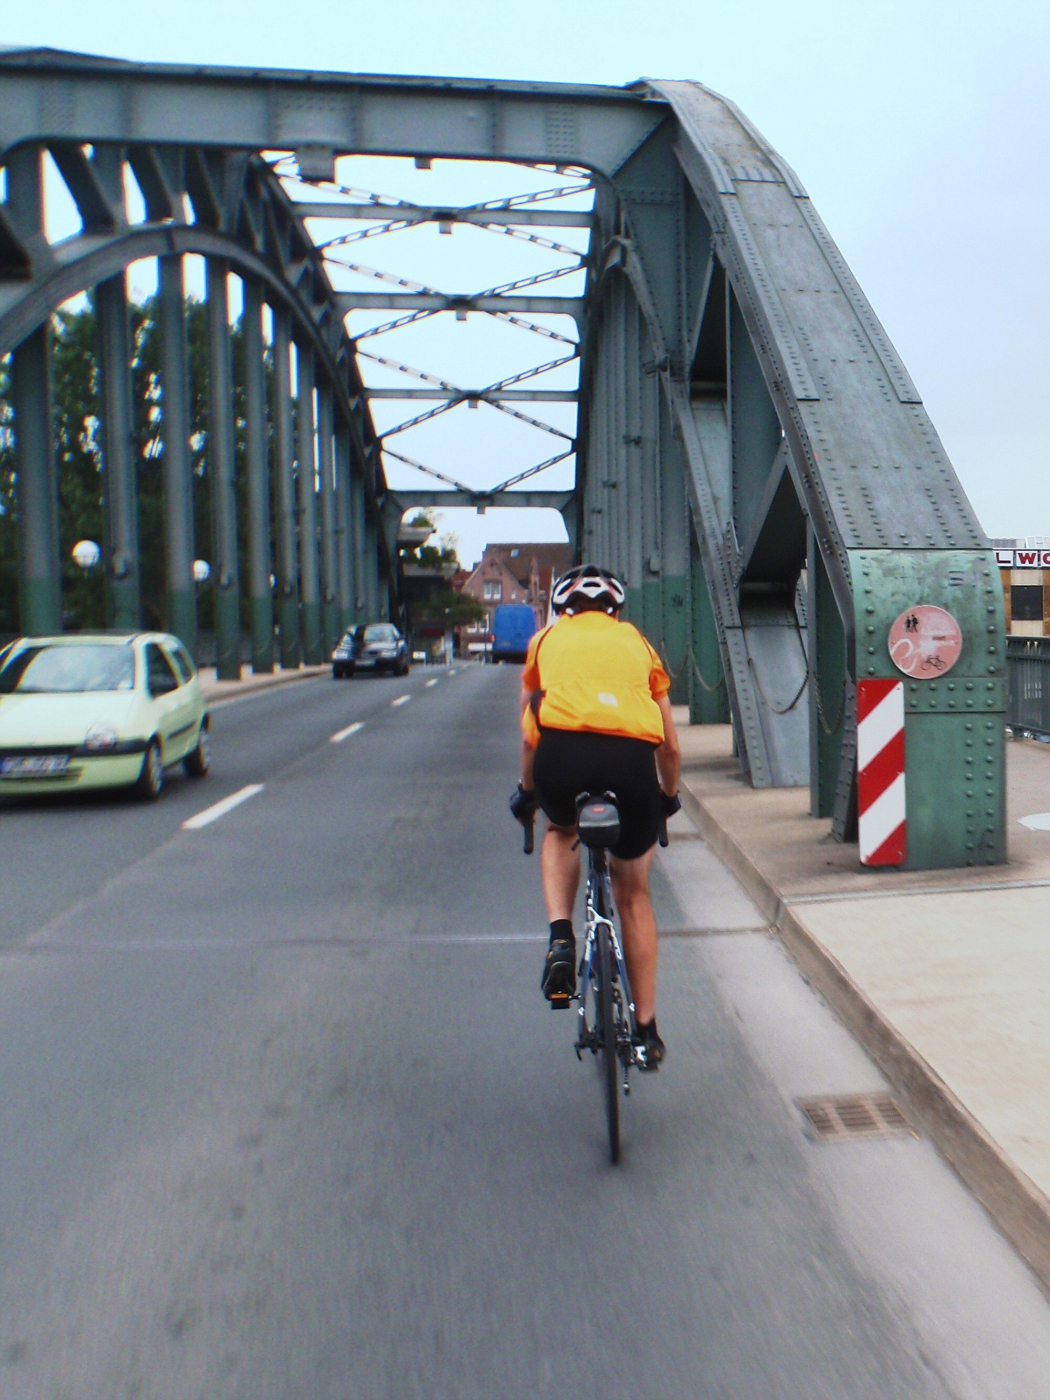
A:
<point x="598" y="820"/>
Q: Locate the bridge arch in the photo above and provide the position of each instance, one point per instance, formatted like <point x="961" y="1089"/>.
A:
<point x="750" y="452"/>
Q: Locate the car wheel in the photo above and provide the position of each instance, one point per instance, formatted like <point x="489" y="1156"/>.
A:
<point x="338" y="673"/>
<point x="151" y="779"/>
<point x="198" y="762"/>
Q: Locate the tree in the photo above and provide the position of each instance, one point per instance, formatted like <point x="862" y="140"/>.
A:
<point x="450" y="609"/>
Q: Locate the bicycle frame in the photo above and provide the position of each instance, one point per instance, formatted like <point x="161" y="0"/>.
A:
<point x="599" y="906"/>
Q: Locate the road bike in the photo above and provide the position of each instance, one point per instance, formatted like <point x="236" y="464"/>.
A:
<point x="606" y="1024"/>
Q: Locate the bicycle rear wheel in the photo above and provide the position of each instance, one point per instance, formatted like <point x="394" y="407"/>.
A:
<point x="607" y="1032"/>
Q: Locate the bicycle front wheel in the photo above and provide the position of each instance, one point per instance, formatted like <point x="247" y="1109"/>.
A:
<point x="607" y="1033"/>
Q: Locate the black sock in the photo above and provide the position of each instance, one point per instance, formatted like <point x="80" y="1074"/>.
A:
<point x="562" y="928"/>
<point x="645" y="1026"/>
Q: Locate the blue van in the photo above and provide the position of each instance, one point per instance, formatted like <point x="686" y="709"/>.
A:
<point x="512" y="627"/>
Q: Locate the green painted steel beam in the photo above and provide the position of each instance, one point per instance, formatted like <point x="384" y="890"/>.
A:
<point x="306" y="449"/>
<point x="287" y="570"/>
<point x="39" y="578"/>
<point x="954" y="743"/>
<point x="176" y="462"/>
<point x="225" y="566"/>
<point x="257" y="466"/>
<point x="120" y="485"/>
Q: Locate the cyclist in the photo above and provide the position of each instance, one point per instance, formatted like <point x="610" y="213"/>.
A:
<point x="596" y="718"/>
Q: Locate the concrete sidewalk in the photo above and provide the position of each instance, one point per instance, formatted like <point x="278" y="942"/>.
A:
<point x="943" y="975"/>
<point x="215" y="690"/>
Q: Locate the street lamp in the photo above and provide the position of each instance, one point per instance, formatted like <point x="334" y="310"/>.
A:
<point x="86" y="554"/>
<point x="201" y="571"/>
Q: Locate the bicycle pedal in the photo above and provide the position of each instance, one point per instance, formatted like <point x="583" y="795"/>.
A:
<point x="560" y="1001"/>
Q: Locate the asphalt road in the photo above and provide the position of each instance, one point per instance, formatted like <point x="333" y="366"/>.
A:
<point x="283" y="1115"/>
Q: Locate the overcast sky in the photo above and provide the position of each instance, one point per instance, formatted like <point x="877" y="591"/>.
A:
<point x="921" y="130"/>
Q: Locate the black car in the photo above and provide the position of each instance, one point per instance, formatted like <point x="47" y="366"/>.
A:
<point x="373" y="646"/>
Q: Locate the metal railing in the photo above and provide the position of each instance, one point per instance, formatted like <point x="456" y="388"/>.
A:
<point x="1028" y="685"/>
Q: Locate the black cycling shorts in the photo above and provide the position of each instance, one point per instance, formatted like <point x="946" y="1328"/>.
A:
<point x="570" y="761"/>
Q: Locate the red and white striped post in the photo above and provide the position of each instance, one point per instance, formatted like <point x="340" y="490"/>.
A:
<point x="880" y="772"/>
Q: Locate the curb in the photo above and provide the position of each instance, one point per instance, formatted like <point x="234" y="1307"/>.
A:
<point x="212" y="693"/>
<point x="1017" y="1205"/>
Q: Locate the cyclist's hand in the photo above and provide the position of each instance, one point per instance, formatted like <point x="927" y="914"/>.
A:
<point x="523" y="804"/>
<point x="670" y="805"/>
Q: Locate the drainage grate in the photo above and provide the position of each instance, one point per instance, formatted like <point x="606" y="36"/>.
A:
<point x="842" y="1117"/>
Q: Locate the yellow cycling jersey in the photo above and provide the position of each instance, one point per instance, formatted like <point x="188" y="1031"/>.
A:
<point x="597" y="674"/>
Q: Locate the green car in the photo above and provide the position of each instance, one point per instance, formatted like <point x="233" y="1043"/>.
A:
<point x="92" y="710"/>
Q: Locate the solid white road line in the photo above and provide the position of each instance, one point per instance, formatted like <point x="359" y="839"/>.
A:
<point x="401" y="700"/>
<point x="431" y="682"/>
<point x="212" y="814"/>
<point x="345" y="733"/>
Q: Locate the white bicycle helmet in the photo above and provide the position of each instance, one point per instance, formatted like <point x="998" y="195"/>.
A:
<point x="586" y="588"/>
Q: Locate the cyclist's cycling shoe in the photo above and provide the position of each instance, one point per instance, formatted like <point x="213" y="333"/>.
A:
<point x="649" y="1049"/>
<point x="559" y="972"/>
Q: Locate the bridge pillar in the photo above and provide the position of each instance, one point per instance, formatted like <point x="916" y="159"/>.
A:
<point x="651" y="514"/>
<point x="955" y="763"/>
<point x="633" y="483"/>
<point x="309" y="584"/>
<point x="40" y="590"/>
<point x="674" y="560"/>
<point x="118" y="436"/>
<point x="224" y="562"/>
<point x="257" y="455"/>
<point x="176" y="464"/>
<point x="284" y="493"/>
<point x="830" y="679"/>
<point x="708" y="698"/>
<point x="344" y="529"/>
<point x="329" y="573"/>
<point x="358" y="512"/>
<point x="40" y="578"/>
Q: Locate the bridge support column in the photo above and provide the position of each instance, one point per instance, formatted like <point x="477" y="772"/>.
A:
<point x="634" y="559"/>
<point x="284" y="493"/>
<point x="373" y="586"/>
<point x="708" y="698"/>
<point x="224" y="563"/>
<point x="309" y="585"/>
<point x="674" y="552"/>
<point x="651" y="519"/>
<point x="829" y="671"/>
<point x="121" y="486"/>
<point x="175" y="434"/>
<point x="40" y="589"/>
<point x="344" y="529"/>
<point x="955" y="775"/>
<point x="258" y="465"/>
<point x="362" y="603"/>
<point x="329" y="573"/>
<point x="40" y="578"/>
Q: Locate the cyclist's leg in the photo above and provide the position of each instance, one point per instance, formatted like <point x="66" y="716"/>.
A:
<point x="630" y="879"/>
<point x="561" y="871"/>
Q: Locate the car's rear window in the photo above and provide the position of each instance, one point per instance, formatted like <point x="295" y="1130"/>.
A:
<point x="381" y="632"/>
<point x="68" y="670"/>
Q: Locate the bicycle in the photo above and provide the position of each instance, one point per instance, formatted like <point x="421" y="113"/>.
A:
<point x="607" y="1025"/>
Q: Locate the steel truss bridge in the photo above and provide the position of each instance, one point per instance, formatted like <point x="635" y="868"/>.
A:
<point x="750" y="452"/>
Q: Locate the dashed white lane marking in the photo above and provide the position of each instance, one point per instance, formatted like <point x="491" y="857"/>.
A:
<point x="345" y="733"/>
<point x="401" y="700"/>
<point x="212" y="814"/>
<point x="431" y="682"/>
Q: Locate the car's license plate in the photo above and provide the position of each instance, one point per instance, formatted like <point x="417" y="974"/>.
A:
<point x="366" y="661"/>
<point x="51" y="765"/>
